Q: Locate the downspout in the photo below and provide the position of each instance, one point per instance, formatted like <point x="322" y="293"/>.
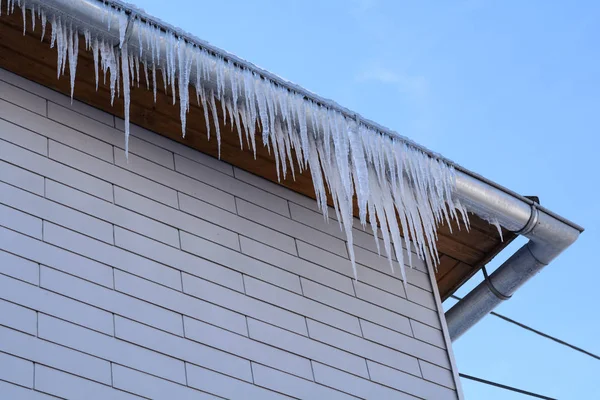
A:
<point x="548" y="234"/>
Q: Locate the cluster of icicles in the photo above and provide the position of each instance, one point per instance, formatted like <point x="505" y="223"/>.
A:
<point x="393" y="181"/>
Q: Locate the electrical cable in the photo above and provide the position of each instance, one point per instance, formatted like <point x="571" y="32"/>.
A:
<point x="542" y="334"/>
<point x="505" y="387"/>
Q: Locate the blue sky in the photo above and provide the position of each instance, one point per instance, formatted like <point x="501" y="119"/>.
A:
<point x="508" y="89"/>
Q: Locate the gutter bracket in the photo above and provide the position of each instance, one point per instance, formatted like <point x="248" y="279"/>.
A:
<point x="492" y="288"/>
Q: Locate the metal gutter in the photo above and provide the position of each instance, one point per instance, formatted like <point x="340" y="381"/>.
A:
<point x="548" y="237"/>
<point x="549" y="233"/>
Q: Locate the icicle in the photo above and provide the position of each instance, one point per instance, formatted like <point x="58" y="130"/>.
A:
<point x="360" y="172"/>
<point x="54" y="32"/>
<point x="154" y="81"/>
<point x="164" y="78"/>
<point x="146" y="73"/>
<point x="117" y="56"/>
<point x="373" y="221"/>
<point x="184" y="70"/>
<point x="24" y="12"/>
<point x="495" y="222"/>
<point x="234" y="92"/>
<point x="123" y="22"/>
<point x="172" y="70"/>
<point x="126" y="93"/>
<point x="87" y="38"/>
<point x="213" y="107"/>
<point x="205" y="108"/>
<point x="136" y="62"/>
<point x="58" y="37"/>
<point x="131" y="70"/>
<point x="44" y="22"/>
<point x="96" y="54"/>
<point x="73" y="55"/>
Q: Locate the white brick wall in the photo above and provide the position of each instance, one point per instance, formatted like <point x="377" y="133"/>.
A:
<point x="175" y="276"/>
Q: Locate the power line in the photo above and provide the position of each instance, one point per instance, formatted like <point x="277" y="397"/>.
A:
<point x="545" y="335"/>
<point x="505" y="387"/>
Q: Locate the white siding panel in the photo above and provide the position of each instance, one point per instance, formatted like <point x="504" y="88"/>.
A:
<point x="59" y="357"/>
<point x="354" y="306"/>
<point x="226" y="387"/>
<point x="57" y="213"/>
<point x="274" y="188"/>
<point x="111" y="301"/>
<point x="174" y="180"/>
<point x="109" y="348"/>
<point x="356" y="386"/>
<point x="112" y="214"/>
<point x="296" y="265"/>
<point x="177" y="259"/>
<point x="23" y="138"/>
<point x="176" y="218"/>
<point x="22" y="98"/>
<point x="306" y="347"/>
<point x="56" y="97"/>
<point x="296" y="387"/>
<point x="239" y="262"/>
<point x="112" y="256"/>
<point x="344" y="266"/>
<point x="173" y="275"/>
<point x="54" y="212"/>
<point x="16" y="370"/>
<point x="405" y="344"/>
<point x="15" y="316"/>
<point x="182" y="349"/>
<point x="55" y="257"/>
<point x="300" y="305"/>
<point x="236" y="223"/>
<point x="399" y="305"/>
<point x="290" y="227"/>
<point x="55" y="170"/>
<point x="247" y="348"/>
<point x="428" y="334"/>
<point x="417" y="275"/>
<point x="55" y="131"/>
<point x="110" y="135"/>
<point x="232" y="186"/>
<point x="111" y="173"/>
<point x="19" y="221"/>
<point x="19" y="268"/>
<point x="152" y="387"/>
<point x="11" y="391"/>
<point x="44" y="301"/>
<point x="69" y="386"/>
<point x="409" y="383"/>
<point x="175" y="147"/>
<point x="180" y="302"/>
<point x="21" y="178"/>
<point x="243" y="304"/>
<point x="436" y="374"/>
<point x="362" y="347"/>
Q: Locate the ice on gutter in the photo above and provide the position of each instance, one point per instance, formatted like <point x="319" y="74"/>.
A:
<point x="400" y="189"/>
